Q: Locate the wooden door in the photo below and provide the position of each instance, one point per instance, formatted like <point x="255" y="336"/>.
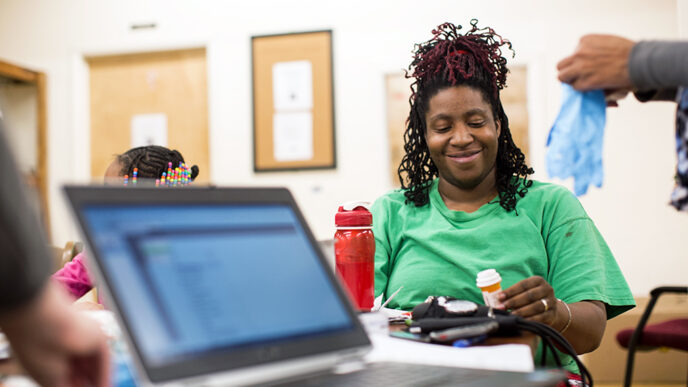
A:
<point x="170" y="83"/>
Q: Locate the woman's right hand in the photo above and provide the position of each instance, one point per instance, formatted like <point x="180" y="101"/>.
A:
<point x="531" y="298"/>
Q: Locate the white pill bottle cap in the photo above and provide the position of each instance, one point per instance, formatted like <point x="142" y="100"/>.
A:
<point x="487" y="278"/>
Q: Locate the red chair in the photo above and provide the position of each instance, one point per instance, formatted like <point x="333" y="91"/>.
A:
<point x="669" y="334"/>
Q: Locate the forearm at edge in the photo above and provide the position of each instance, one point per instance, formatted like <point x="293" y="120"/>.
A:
<point x="588" y="321"/>
<point x="659" y="65"/>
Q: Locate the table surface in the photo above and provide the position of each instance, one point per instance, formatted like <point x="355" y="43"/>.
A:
<point x="10" y="367"/>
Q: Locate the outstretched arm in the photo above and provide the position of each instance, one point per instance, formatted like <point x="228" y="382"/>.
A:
<point x="652" y="69"/>
<point x="56" y="344"/>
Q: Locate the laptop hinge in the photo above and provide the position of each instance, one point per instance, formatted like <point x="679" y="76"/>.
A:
<point x="350" y="362"/>
<point x="349" y="366"/>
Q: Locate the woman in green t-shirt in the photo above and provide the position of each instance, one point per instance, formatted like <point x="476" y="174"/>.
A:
<point x="467" y="204"/>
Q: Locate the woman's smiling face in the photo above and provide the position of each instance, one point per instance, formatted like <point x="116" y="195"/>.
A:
<point x="462" y="136"/>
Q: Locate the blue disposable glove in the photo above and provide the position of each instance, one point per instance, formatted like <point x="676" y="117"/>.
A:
<point x="575" y="140"/>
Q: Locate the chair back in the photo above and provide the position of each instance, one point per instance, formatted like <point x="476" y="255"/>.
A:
<point x="62" y="255"/>
<point x="669" y="334"/>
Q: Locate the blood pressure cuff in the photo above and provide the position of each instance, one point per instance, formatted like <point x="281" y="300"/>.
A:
<point x="447" y="307"/>
<point x="444" y="312"/>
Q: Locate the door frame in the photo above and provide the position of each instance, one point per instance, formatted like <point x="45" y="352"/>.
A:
<point x="38" y="79"/>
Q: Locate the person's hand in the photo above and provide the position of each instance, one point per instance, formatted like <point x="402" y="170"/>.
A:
<point x="599" y="62"/>
<point x="532" y="298"/>
<point x="612" y="97"/>
<point x="55" y="344"/>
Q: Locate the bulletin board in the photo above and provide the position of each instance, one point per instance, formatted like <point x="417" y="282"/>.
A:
<point x="293" y="102"/>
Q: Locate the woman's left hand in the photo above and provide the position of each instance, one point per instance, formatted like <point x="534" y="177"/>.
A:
<point x="533" y="299"/>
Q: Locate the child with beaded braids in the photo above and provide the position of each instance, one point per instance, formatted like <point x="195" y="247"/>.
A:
<point x="150" y="162"/>
<point x="467" y="203"/>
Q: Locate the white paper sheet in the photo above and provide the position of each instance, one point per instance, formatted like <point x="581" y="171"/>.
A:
<point x="508" y="357"/>
<point x="149" y="129"/>
<point x="293" y="136"/>
<point x="292" y="85"/>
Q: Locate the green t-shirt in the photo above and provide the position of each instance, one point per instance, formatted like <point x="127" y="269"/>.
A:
<point x="432" y="250"/>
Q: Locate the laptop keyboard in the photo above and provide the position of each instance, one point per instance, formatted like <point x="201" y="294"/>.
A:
<point x="396" y="374"/>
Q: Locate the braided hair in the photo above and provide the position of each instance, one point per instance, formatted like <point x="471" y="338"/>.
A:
<point x="151" y="161"/>
<point x="451" y="59"/>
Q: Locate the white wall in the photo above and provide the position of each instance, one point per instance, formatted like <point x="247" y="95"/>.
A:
<point x="370" y="38"/>
<point x="682" y="6"/>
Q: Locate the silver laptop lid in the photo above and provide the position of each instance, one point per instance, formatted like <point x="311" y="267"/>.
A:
<point x="214" y="279"/>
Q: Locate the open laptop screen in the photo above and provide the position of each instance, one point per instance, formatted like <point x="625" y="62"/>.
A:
<point x="195" y="281"/>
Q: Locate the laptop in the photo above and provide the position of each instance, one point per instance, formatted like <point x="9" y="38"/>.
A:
<point x="227" y="286"/>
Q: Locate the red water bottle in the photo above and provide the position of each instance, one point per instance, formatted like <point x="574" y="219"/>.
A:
<point x="354" y="251"/>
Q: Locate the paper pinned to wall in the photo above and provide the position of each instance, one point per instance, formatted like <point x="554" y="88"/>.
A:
<point x="149" y="129"/>
<point x="292" y="85"/>
<point x="293" y="136"/>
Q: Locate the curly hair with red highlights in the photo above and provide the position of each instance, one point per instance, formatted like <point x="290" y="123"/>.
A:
<point x="450" y="59"/>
